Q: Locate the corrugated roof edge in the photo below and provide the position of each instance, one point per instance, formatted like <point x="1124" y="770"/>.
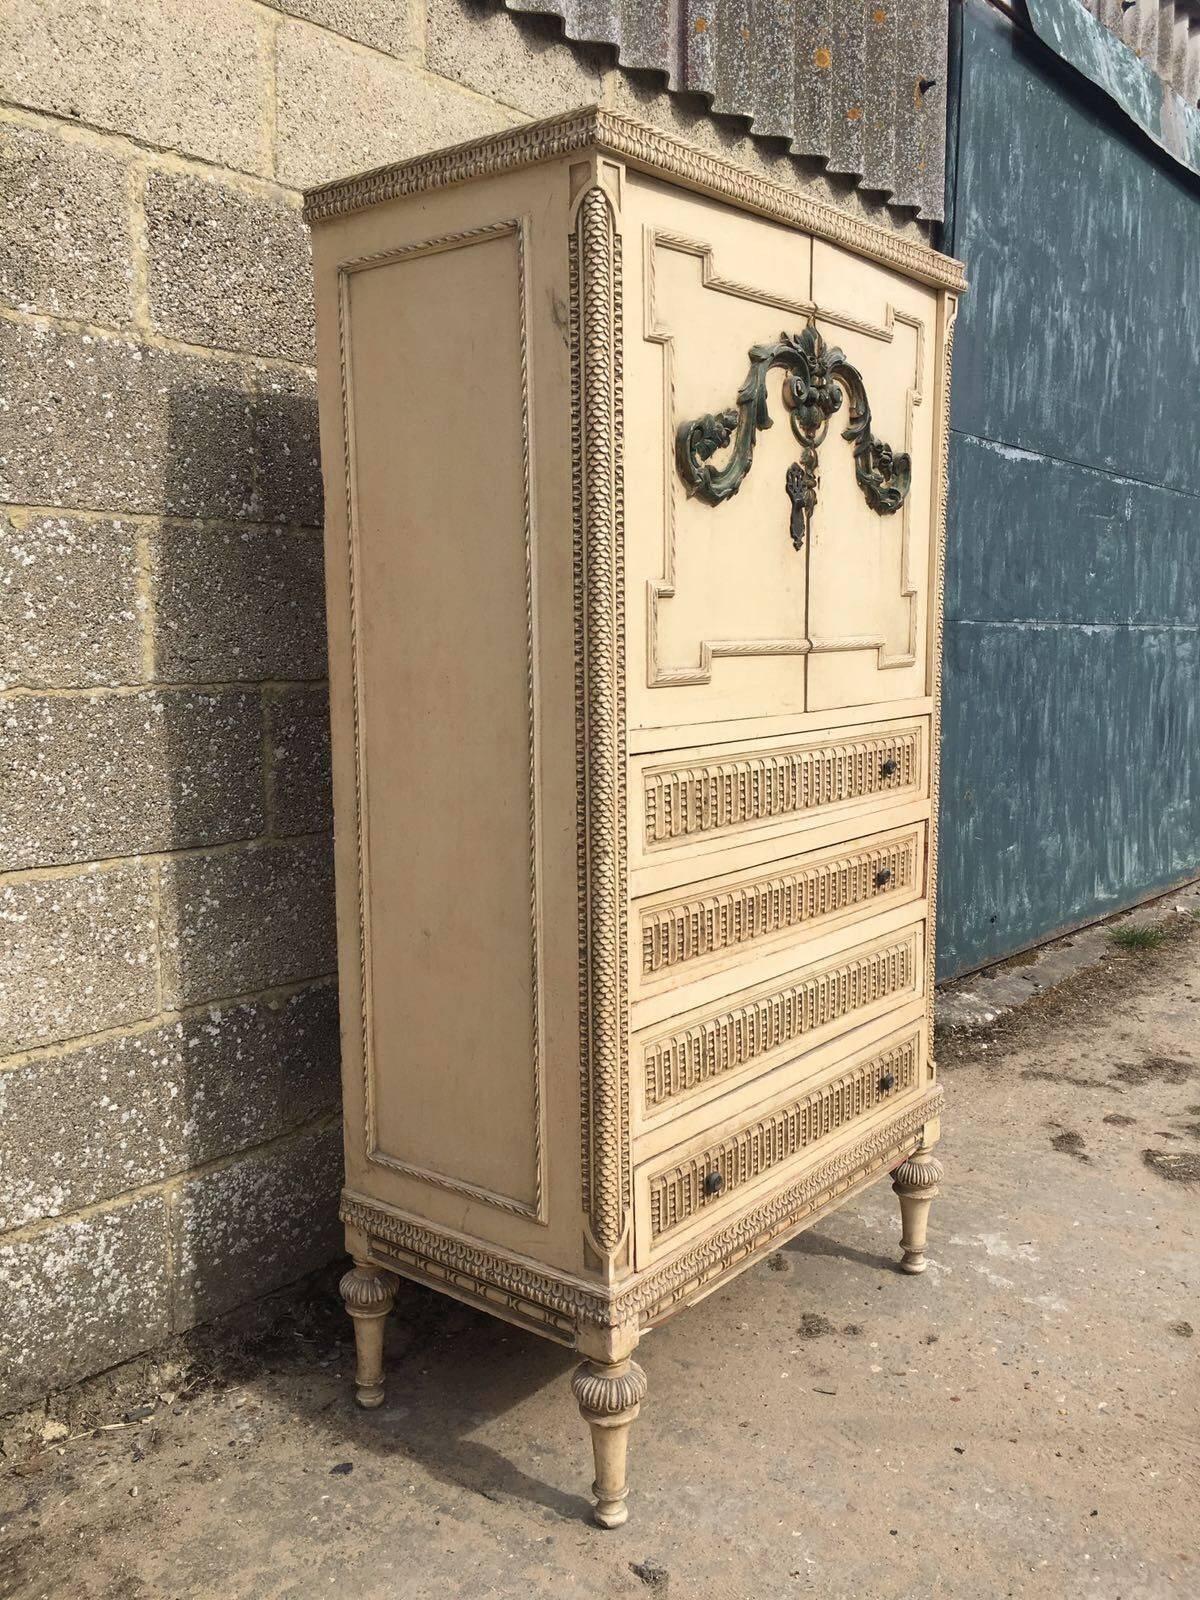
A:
<point x="647" y="149"/>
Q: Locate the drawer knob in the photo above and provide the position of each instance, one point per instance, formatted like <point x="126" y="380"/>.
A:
<point x="884" y="875"/>
<point x="888" y="1081"/>
<point x="888" y="767"/>
<point x="713" y="1184"/>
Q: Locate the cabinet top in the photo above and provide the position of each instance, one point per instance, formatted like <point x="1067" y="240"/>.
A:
<point x="646" y="149"/>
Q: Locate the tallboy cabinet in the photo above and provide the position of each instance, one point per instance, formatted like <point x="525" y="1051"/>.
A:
<point x="634" y="467"/>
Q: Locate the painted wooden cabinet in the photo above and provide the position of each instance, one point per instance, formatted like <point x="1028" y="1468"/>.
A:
<point x="634" y="468"/>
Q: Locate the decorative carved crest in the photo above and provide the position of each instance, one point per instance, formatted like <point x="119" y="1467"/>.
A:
<point x="813" y="392"/>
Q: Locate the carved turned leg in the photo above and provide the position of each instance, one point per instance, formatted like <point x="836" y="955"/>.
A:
<point x="609" y="1395"/>
<point x="916" y="1181"/>
<point x="369" y="1293"/>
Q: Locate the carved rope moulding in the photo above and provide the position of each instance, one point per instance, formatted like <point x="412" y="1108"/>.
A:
<point x="683" y="1060"/>
<point x="743" y="914"/>
<point x="679" y="1193"/>
<point x="598" y="506"/>
<point x="681" y="802"/>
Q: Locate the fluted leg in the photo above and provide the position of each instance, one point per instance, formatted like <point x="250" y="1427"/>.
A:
<point x="369" y="1293"/>
<point x="915" y="1182"/>
<point x="609" y="1395"/>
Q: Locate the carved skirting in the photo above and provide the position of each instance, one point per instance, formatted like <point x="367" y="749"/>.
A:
<point x="556" y="1305"/>
<point x="644" y="147"/>
<point x="596" y="401"/>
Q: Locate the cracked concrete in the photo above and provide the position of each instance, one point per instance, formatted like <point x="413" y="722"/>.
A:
<point x="1021" y="1421"/>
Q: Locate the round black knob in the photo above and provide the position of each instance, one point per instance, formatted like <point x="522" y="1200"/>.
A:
<point x="888" y="1081"/>
<point x="889" y="766"/>
<point x="884" y="875"/>
<point x="713" y="1183"/>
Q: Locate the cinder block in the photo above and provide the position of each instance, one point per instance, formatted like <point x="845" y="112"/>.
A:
<point x="237" y="604"/>
<point x="228" y="268"/>
<point x="298" y="740"/>
<point x="341" y="110"/>
<point x="77" y="954"/>
<point x="243" y="920"/>
<point x="186" y="77"/>
<point x="106" y="421"/>
<point x="81" y="1295"/>
<point x="244" y="1229"/>
<point x="69" y="612"/>
<point x="383" y="24"/>
<point x="161" y="1102"/>
<point x="65" y="239"/>
<point x="287" y="450"/>
<point x="522" y="61"/>
<point x="116" y="775"/>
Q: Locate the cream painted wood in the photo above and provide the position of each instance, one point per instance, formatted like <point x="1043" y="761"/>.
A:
<point x="634" y="801"/>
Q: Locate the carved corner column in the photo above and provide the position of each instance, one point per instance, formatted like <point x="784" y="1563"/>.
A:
<point x="610" y="1395"/>
<point x="915" y="1183"/>
<point x="599" y="535"/>
<point x="369" y="1293"/>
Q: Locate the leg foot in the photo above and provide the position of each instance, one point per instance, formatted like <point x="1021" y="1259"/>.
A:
<point x="369" y="1293"/>
<point x="609" y="1395"/>
<point x="915" y="1182"/>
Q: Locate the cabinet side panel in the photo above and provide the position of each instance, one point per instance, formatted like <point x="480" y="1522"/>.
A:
<point x="443" y="553"/>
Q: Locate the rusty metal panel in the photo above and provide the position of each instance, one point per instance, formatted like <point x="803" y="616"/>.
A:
<point x="861" y="85"/>
<point x="1071" y="758"/>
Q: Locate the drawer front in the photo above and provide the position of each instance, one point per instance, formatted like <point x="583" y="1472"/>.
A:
<point x="686" y="935"/>
<point x="713" y="1048"/>
<point x="725" y="796"/>
<point x="698" y="1184"/>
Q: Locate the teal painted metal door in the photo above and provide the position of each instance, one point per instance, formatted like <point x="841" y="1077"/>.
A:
<point x="1071" y="764"/>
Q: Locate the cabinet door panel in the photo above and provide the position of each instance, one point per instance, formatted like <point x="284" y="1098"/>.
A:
<point x="716" y="595"/>
<point x="869" y="571"/>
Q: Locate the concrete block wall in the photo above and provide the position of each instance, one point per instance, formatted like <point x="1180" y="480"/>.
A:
<point x="169" y="1136"/>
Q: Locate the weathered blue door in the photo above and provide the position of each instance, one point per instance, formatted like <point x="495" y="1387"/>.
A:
<point x="1071" y="767"/>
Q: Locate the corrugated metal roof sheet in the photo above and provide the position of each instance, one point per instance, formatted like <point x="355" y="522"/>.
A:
<point x="859" y="85"/>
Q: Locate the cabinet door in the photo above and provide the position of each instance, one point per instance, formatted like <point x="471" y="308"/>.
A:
<point x="715" y="594"/>
<point x="739" y="605"/>
<point x="869" y="569"/>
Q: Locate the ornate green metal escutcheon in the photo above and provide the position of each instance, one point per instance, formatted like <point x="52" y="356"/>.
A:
<point x="812" y="393"/>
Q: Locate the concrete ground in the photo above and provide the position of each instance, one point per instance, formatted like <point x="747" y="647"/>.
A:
<point x="1022" y="1421"/>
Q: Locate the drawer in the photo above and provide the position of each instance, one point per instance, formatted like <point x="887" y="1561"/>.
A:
<point x="707" y="799"/>
<point x="717" y="1046"/>
<point x="689" y="933"/>
<point x="689" y="1188"/>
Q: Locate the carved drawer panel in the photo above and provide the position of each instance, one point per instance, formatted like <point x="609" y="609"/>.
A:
<point x="712" y="1177"/>
<point x="682" y="935"/>
<point x="722" y="798"/>
<point x="718" y="1046"/>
